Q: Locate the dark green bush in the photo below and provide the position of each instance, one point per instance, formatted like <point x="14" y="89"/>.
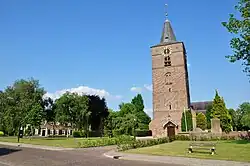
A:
<point x="90" y="142"/>
<point x="143" y="133"/>
<point x="117" y="132"/>
<point x="182" y="137"/>
<point x="142" y="143"/>
<point x="77" y="134"/>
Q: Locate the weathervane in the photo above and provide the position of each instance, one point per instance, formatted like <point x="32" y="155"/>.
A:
<point x="166" y="12"/>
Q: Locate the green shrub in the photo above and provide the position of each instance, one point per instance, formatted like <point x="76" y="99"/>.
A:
<point x="105" y="141"/>
<point x="142" y="143"/>
<point x="57" y="136"/>
<point x="143" y="133"/>
<point x="1" y="133"/>
<point x="117" y="132"/>
<point x="77" y="134"/>
<point x="182" y="137"/>
<point x="94" y="134"/>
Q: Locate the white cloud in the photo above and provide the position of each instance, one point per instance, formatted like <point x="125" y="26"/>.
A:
<point x="136" y="89"/>
<point x="149" y="111"/>
<point x="81" y="90"/>
<point x="148" y="87"/>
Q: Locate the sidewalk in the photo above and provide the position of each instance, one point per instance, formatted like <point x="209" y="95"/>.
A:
<point x="35" y="146"/>
<point x="173" y="160"/>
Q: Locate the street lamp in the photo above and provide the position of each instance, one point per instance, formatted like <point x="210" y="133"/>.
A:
<point x="134" y="128"/>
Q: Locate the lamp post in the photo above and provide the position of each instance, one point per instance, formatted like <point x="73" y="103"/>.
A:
<point x="134" y="128"/>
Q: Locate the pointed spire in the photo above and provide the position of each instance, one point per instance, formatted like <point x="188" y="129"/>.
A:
<point x="167" y="33"/>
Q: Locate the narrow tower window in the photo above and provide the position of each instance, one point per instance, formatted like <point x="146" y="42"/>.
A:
<point x="167" y="61"/>
<point x="169" y="89"/>
<point x="170" y="107"/>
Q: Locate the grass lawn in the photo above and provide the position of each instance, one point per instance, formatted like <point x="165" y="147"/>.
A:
<point x="57" y="142"/>
<point x="225" y="150"/>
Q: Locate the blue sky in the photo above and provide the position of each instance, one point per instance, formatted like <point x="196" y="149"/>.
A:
<point x="104" y="46"/>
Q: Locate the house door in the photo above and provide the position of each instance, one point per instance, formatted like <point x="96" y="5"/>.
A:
<point x="171" y="131"/>
<point x="43" y="132"/>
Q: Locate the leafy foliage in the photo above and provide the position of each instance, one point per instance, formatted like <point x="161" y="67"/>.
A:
<point x="208" y="115"/>
<point x="186" y="117"/>
<point x="201" y="121"/>
<point x="142" y="143"/>
<point x="21" y="105"/>
<point x="244" y="111"/>
<point x="142" y="117"/>
<point x="241" y="28"/>
<point x="220" y="111"/>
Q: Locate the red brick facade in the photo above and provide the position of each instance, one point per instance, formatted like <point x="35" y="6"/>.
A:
<point x="170" y="87"/>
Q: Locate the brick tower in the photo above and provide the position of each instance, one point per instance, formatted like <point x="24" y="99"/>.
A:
<point x="170" y="84"/>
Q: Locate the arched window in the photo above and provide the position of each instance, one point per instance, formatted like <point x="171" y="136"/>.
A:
<point x="167" y="78"/>
<point x="168" y="74"/>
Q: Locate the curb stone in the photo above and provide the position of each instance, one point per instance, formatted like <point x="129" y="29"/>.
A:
<point x="173" y="160"/>
<point x="35" y="146"/>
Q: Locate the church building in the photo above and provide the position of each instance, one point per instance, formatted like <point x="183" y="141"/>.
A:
<point x="170" y="84"/>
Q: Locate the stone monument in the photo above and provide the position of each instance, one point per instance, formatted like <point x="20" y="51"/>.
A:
<point x="215" y="126"/>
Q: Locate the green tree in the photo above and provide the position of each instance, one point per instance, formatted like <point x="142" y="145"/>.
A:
<point x="232" y="113"/>
<point x="186" y="119"/>
<point x="110" y="123"/>
<point x="220" y="111"/>
<point x="243" y="113"/>
<point x="23" y="105"/>
<point x="201" y="121"/>
<point x="72" y="108"/>
<point x="99" y="112"/>
<point x="49" y="112"/>
<point x="240" y="27"/>
<point x="127" y="108"/>
<point x="142" y="117"/>
<point x="208" y="115"/>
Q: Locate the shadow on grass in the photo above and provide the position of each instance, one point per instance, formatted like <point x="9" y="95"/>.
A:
<point x="201" y="152"/>
<point x="7" y="151"/>
<point x="239" y="141"/>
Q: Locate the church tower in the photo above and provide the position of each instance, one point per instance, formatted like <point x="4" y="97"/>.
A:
<point x="170" y="84"/>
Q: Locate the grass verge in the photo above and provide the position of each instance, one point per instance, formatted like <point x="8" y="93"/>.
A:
<point x="61" y="142"/>
<point x="225" y="150"/>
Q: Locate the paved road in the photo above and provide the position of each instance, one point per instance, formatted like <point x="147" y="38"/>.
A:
<point x="15" y="156"/>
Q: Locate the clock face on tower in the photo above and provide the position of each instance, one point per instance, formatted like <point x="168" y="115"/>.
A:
<point x="167" y="51"/>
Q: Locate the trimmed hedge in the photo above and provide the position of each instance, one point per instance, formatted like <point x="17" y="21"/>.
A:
<point x="142" y="143"/>
<point x="86" y="143"/>
<point x="1" y="133"/>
